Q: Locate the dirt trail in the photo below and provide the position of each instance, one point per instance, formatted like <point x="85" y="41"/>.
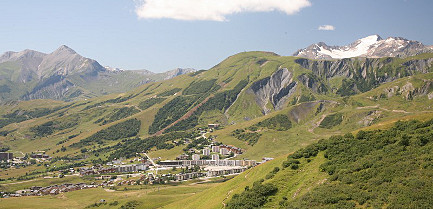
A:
<point x="366" y="107"/>
<point x="316" y="124"/>
<point x="20" y="182"/>
<point x="228" y="193"/>
<point x="186" y="116"/>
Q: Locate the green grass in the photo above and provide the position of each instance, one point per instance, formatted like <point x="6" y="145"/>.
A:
<point x="149" y="197"/>
<point x="14" y="186"/>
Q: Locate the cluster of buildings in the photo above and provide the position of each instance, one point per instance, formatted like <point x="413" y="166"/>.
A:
<point x="214" y="152"/>
<point x="185" y="163"/>
<point x="40" y="155"/>
<point x="213" y="171"/>
<point x="130" y="168"/>
<point x="51" y="190"/>
<point x="188" y="176"/>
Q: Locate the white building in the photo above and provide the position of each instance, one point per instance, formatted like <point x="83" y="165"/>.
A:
<point x="215" y="148"/>
<point x="224" y="151"/>
<point x="223" y="170"/>
<point x="206" y="151"/>
<point x="215" y="157"/>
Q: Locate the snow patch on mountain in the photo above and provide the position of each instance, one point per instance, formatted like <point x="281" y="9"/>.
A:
<point x="371" y="46"/>
<point x="360" y="48"/>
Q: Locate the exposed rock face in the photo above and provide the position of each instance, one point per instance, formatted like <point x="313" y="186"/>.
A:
<point x="370" y="118"/>
<point x="372" y="46"/>
<point x="365" y="73"/>
<point x="422" y="65"/>
<point x="313" y="82"/>
<point x="178" y="71"/>
<point x="275" y="89"/>
<point x="408" y="91"/>
<point x="55" y="87"/>
<point x="65" y="61"/>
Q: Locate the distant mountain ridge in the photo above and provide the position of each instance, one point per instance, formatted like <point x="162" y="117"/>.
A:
<point x="372" y="47"/>
<point x="66" y="75"/>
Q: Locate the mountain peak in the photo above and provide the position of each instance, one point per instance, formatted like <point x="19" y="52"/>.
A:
<point x="372" y="38"/>
<point x="64" y="48"/>
<point x="370" y="46"/>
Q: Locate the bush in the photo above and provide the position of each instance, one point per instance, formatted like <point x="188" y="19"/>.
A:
<point x="169" y="92"/>
<point x="121" y="113"/>
<point x="250" y="137"/>
<point x="279" y="122"/>
<point x="125" y="129"/>
<point x="331" y="120"/>
<point x="376" y="170"/>
<point x="150" y="102"/>
<point x="254" y="197"/>
<point x="199" y="87"/>
<point x="171" y="112"/>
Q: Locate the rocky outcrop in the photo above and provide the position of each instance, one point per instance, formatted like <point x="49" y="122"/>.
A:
<point x="55" y="87"/>
<point x="313" y="82"/>
<point x="366" y="73"/>
<point x="408" y="91"/>
<point x="275" y="89"/>
<point x="419" y="65"/>
<point x="176" y="72"/>
<point x="370" y="118"/>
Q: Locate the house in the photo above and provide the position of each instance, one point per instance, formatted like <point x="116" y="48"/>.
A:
<point x="213" y="126"/>
<point x="6" y="156"/>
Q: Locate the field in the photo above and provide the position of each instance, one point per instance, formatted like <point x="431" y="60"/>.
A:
<point x="145" y="197"/>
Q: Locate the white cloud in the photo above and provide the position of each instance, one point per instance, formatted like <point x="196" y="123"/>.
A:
<point x="326" y="27"/>
<point x="215" y="10"/>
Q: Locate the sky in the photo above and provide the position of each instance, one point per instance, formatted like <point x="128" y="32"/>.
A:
<point x="160" y="35"/>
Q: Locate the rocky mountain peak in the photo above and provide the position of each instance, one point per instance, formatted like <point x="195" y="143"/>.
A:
<point x="372" y="46"/>
<point x="64" y="49"/>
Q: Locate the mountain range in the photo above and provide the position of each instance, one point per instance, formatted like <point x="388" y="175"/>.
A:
<point x="66" y="75"/>
<point x="348" y="124"/>
<point x="372" y="46"/>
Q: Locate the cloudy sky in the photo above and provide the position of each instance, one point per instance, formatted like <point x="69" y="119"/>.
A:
<point x="160" y="35"/>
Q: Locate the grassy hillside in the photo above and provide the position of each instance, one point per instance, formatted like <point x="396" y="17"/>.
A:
<point x="220" y="80"/>
<point x="380" y="168"/>
<point x="220" y="95"/>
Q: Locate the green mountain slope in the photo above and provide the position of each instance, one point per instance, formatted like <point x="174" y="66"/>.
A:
<point x="250" y="94"/>
<point x="381" y="168"/>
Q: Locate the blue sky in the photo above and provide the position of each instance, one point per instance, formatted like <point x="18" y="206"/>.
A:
<point x="111" y="31"/>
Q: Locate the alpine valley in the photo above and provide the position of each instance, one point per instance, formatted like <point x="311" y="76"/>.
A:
<point x="329" y="127"/>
